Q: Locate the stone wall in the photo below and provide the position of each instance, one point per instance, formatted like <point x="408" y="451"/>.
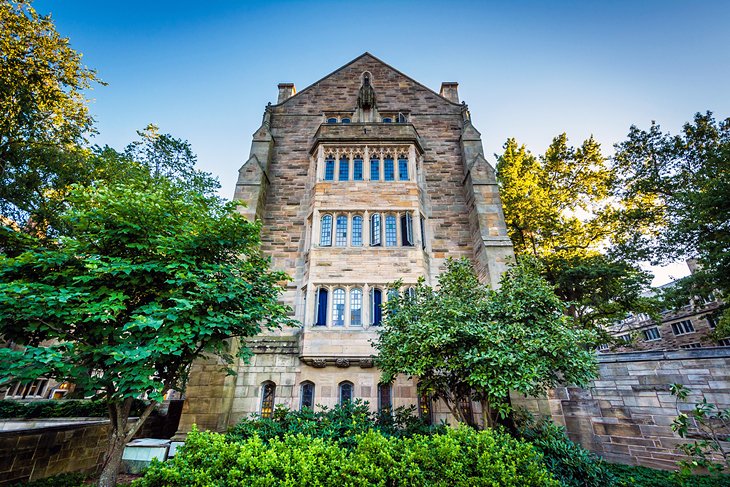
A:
<point x="625" y="414"/>
<point x="68" y="446"/>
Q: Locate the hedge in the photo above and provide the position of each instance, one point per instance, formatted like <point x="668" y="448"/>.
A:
<point x="61" y="408"/>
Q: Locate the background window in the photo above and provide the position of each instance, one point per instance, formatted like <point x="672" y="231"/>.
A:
<point x="375" y="230"/>
<point x="307" y="394"/>
<point x="357" y="169"/>
<point x="338" y="307"/>
<point x="683" y="327"/>
<point x="652" y="334"/>
<point x="329" y="169"/>
<point x="345" y="392"/>
<point x="356" y="307"/>
<point x="391" y="232"/>
<point x="356" y="231"/>
<point x="403" y="168"/>
<point x="341" y="231"/>
<point x="345" y="120"/>
<point x="424" y="408"/>
<point x="401" y="118"/>
<point x="268" y="391"/>
<point x="423" y="233"/>
<point x="332" y="120"/>
<point x="344" y="169"/>
<point x="387" y="120"/>
<point x="321" y="318"/>
<point x="374" y="169"/>
<point x="406" y="229"/>
<point x="385" y="402"/>
<point x="388" y="169"/>
<point x="325" y="233"/>
<point x="376" y="300"/>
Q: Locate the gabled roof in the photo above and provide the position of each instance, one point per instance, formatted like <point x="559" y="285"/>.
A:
<point x="363" y="55"/>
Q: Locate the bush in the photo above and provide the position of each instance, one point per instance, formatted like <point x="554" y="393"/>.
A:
<point x="63" y="480"/>
<point x="571" y="464"/>
<point x="61" y="408"/>
<point x="342" y="423"/>
<point x="462" y="457"/>
<point x="630" y="476"/>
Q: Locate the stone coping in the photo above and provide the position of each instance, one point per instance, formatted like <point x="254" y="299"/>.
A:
<point x="63" y="424"/>
<point x="657" y="355"/>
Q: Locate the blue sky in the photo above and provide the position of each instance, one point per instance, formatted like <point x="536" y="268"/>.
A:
<point x="204" y="71"/>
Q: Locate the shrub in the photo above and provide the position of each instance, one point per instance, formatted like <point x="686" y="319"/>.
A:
<point x="462" y="457"/>
<point x="342" y="423"/>
<point x="571" y="464"/>
<point x="62" y="408"/>
<point x="63" y="480"/>
<point x="630" y="476"/>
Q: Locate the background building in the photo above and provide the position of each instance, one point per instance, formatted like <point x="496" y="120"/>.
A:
<point x="360" y="179"/>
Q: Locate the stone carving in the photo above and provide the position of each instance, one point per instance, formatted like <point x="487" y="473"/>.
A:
<point x="319" y="363"/>
<point x="366" y="97"/>
<point x="366" y="363"/>
<point x="342" y="363"/>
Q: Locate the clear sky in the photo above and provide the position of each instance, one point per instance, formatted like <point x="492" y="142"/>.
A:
<point x="204" y="71"/>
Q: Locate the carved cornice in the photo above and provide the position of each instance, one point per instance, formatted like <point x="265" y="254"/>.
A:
<point x="340" y="362"/>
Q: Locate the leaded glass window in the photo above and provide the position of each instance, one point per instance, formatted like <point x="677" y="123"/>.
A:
<point x="345" y="120"/>
<point x="424" y="408"/>
<point x="388" y="169"/>
<point x="329" y="169"/>
<point x="357" y="169"/>
<point x="268" y="392"/>
<point x="344" y="169"/>
<point x="325" y="233"/>
<point x="374" y="169"/>
<point x="346" y="392"/>
<point x="321" y="318"/>
<point x="391" y="232"/>
<point x="375" y="223"/>
<point x="357" y="231"/>
<point x="406" y="229"/>
<point x="341" y="231"/>
<point x="403" y="168"/>
<point x="307" y="396"/>
<point x="356" y="307"/>
<point x="385" y="401"/>
<point x="332" y="120"/>
<point x="338" y="307"/>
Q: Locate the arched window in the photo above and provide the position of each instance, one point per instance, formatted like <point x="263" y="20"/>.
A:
<point x="401" y="118"/>
<point x="387" y="120"/>
<point x="411" y="292"/>
<point x="329" y="169"/>
<point x="385" y="401"/>
<point x="346" y="392"/>
<point x="356" y="307"/>
<point x="375" y="230"/>
<point x="341" y="231"/>
<point x="388" y="169"/>
<point x="357" y="169"/>
<point x="425" y="409"/>
<point x="406" y="229"/>
<point x="325" y="233"/>
<point x="391" y="231"/>
<point x="268" y="393"/>
<point x="357" y="231"/>
<point x="344" y="169"/>
<point x="402" y="168"/>
<point x="307" y="395"/>
<point x="320" y="318"/>
<point x="345" y="120"/>
<point x="374" y="169"/>
<point x="338" y="307"/>
<point x="376" y="300"/>
<point x="332" y="120"/>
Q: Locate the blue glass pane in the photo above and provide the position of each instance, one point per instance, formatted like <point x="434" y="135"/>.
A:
<point x="321" y="308"/>
<point x="403" y="169"/>
<point x="331" y="120"/>
<point x="344" y="169"/>
<point x="329" y="170"/>
<point x="388" y="170"/>
<point x="345" y="120"/>
<point x="357" y="231"/>
<point x="391" y="235"/>
<point x="325" y="235"/>
<point x="357" y="170"/>
<point x="387" y="120"/>
<point x="374" y="169"/>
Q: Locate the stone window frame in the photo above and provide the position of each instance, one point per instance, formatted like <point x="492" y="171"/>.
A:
<point x="328" y="227"/>
<point x="33" y="389"/>
<point x="330" y="218"/>
<point x="332" y="154"/>
<point x="268" y="399"/>
<point x="425" y="408"/>
<point x="341" y="388"/>
<point x="385" y="398"/>
<point x="652" y="334"/>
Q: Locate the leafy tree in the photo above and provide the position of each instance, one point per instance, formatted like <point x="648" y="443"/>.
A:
<point x="44" y="117"/>
<point x="675" y="193"/>
<point x="558" y="209"/>
<point x="147" y="277"/>
<point x="465" y="341"/>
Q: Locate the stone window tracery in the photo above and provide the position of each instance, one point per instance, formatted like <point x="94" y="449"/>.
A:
<point x="347" y="163"/>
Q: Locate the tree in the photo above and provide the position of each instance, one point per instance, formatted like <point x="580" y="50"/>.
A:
<point x="147" y="277"/>
<point x="558" y="209"/>
<point x="675" y="193"/>
<point x="44" y="118"/>
<point x="465" y="341"/>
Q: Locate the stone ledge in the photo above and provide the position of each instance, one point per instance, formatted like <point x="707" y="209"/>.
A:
<point x="660" y="355"/>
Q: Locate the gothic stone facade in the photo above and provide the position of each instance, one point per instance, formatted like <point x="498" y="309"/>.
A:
<point x="362" y="178"/>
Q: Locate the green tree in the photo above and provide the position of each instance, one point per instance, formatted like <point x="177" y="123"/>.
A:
<point x="675" y="193"/>
<point x="558" y="209"/>
<point x="44" y="117"/>
<point x="465" y="341"/>
<point x="147" y="277"/>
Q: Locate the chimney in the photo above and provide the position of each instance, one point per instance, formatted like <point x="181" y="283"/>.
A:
<point x="450" y="91"/>
<point x="286" y="91"/>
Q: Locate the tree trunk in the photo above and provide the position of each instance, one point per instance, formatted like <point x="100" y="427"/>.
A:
<point x="112" y="460"/>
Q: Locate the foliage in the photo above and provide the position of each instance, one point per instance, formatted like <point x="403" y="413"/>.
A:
<point x="571" y="464"/>
<point x="62" y="408"/>
<point x="712" y="423"/>
<point x="557" y="209"/>
<point x="341" y="424"/>
<point x="63" y="480"/>
<point x="462" y="457"/>
<point x="466" y="341"/>
<point x="675" y="193"/>
<point x="43" y="114"/>
<point x="634" y="476"/>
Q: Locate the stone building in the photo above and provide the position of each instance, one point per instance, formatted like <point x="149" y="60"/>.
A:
<point x="362" y="178"/>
